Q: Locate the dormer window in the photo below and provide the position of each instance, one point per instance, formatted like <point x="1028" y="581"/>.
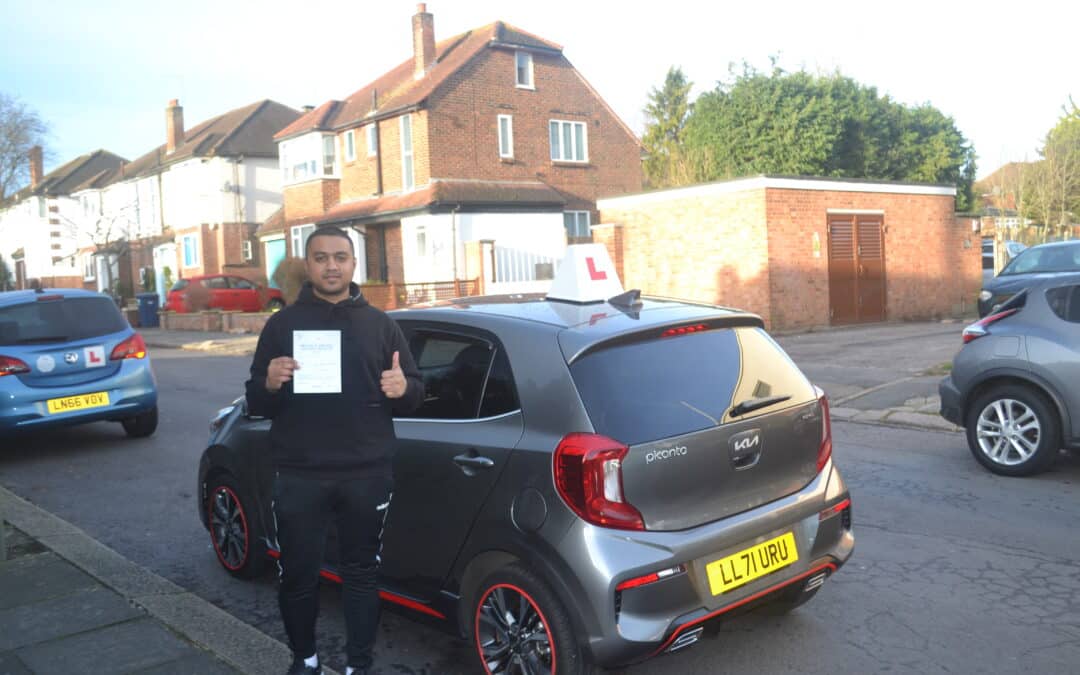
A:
<point x="524" y="67"/>
<point x="308" y="157"/>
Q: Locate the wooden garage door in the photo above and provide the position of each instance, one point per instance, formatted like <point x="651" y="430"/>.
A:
<point x="856" y="268"/>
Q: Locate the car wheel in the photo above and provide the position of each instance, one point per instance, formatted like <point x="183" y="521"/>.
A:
<point x="275" y="304"/>
<point x="141" y="425"/>
<point x="519" y="626"/>
<point x="1013" y="431"/>
<point x="235" y="534"/>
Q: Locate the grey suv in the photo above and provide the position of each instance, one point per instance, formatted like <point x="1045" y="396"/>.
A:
<point x="1013" y="385"/>
<point x="586" y="483"/>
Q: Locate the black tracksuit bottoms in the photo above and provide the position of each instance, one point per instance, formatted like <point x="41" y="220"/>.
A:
<point x="303" y="509"/>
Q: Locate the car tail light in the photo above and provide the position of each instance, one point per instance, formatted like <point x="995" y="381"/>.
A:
<point x="683" y="330"/>
<point x="825" y="449"/>
<point x="979" y="328"/>
<point x="131" y="348"/>
<point x="12" y="366"/>
<point x="588" y="476"/>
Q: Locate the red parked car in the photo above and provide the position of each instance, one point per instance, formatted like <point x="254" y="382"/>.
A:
<point x="222" y="291"/>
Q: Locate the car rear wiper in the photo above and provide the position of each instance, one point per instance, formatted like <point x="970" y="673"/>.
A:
<point x="46" y="338"/>
<point x="752" y="404"/>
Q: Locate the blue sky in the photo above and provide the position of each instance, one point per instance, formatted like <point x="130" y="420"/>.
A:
<point x="102" y="73"/>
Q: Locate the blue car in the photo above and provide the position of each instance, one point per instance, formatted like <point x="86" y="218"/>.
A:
<point x="69" y="357"/>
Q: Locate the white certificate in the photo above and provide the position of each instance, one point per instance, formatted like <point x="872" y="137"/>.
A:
<point x="319" y="354"/>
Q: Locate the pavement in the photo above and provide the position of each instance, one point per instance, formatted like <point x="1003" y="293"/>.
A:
<point x="69" y="604"/>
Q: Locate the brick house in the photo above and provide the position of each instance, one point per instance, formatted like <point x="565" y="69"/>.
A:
<point x="190" y="206"/>
<point x="801" y="252"/>
<point x="40" y="233"/>
<point x="475" y="158"/>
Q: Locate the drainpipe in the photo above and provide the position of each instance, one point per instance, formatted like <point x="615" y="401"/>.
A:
<point x="454" y="241"/>
<point x="378" y="159"/>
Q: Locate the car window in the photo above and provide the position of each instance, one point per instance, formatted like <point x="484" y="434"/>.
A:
<point x="180" y="285"/>
<point x="646" y="391"/>
<point x="59" y="320"/>
<point x="454" y="369"/>
<point x="237" y="282"/>
<point x="500" y="394"/>
<point x="1045" y="259"/>
<point x="1065" y="301"/>
<point x="215" y="282"/>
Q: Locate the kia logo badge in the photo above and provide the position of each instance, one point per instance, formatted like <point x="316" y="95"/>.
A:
<point x="745" y="449"/>
<point x="71" y="357"/>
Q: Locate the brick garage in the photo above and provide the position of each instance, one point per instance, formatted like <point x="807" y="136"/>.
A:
<point x="763" y="244"/>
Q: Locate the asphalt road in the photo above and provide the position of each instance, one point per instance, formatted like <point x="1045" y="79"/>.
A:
<point x="955" y="570"/>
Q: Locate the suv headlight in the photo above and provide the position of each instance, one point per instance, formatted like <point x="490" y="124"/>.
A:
<point x="985" y="295"/>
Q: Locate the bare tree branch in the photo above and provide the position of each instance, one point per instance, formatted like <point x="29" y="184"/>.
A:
<point x="21" y="128"/>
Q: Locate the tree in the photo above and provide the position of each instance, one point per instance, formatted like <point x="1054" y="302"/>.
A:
<point x="821" y="125"/>
<point x="20" y="129"/>
<point x="7" y="280"/>
<point x="1054" y="182"/>
<point x="666" y="114"/>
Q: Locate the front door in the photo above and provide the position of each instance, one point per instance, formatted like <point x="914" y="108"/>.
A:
<point x="856" y="268"/>
<point x="275" y="253"/>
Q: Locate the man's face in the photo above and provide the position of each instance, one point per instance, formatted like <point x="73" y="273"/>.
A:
<point x="330" y="264"/>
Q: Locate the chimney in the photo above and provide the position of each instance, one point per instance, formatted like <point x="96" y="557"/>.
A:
<point x="423" y="39"/>
<point x="174" y="126"/>
<point x="307" y="108"/>
<point x="36" y="172"/>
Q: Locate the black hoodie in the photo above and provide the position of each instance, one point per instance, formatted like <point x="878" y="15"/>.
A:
<point x="350" y="434"/>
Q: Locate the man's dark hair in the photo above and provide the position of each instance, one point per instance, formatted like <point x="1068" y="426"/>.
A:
<point x="328" y="231"/>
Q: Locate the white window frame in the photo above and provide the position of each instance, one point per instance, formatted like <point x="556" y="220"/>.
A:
<point x="372" y="139"/>
<point x="578" y="216"/>
<point x="350" y="146"/>
<point x="89" y="267"/>
<point x="507" y="151"/>
<point x="329" y="142"/>
<point x="530" y="83"/>
<point x="408" y="178"/>
<point x="421" y="241"/>
<point x="194" y="239"/>
<point x="562" y="155"/>
<point x="246" y="251"/>
<point x="298" y="236"/>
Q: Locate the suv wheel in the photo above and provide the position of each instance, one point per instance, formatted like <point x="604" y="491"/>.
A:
<point x="141" y="425"/>
<point x="236" y="536"/>
<point x="519" y="626"/>
<point x="1013" y="431"/>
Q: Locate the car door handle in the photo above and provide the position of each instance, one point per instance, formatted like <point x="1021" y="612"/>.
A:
<point x="474" y="461"/>
<point x="470" y="462"/>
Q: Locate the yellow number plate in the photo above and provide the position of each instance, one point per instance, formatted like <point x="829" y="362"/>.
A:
<point x="752" y="563"/>
<point x="82" y="402"/>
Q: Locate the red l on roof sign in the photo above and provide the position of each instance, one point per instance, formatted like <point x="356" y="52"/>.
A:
<point x="586" y="274"/>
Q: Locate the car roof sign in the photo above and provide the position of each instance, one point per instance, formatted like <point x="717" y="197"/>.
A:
<point x="586" y="274"/>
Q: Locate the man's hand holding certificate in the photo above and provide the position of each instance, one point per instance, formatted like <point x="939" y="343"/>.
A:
<point x="318" y="353"/>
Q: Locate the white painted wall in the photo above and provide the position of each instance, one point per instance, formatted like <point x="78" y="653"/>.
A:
<point x="220" y="190"/>
<point x="191" y="193"/>
<point x="539" y="233"/>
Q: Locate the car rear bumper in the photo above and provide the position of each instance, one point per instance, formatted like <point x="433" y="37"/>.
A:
<point x="132" y="390"/>
<point x="646" y="620"/>
<point x="950" y="401"/>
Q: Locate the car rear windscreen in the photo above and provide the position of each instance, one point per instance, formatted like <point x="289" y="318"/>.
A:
<point x="647" y="391"/>
<point x="59" y="320"/>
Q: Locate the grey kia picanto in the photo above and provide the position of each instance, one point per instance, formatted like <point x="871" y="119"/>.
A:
<point x="586" y="483"/>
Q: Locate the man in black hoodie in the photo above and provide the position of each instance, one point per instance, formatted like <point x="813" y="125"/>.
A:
<point x="332" y="451"/>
